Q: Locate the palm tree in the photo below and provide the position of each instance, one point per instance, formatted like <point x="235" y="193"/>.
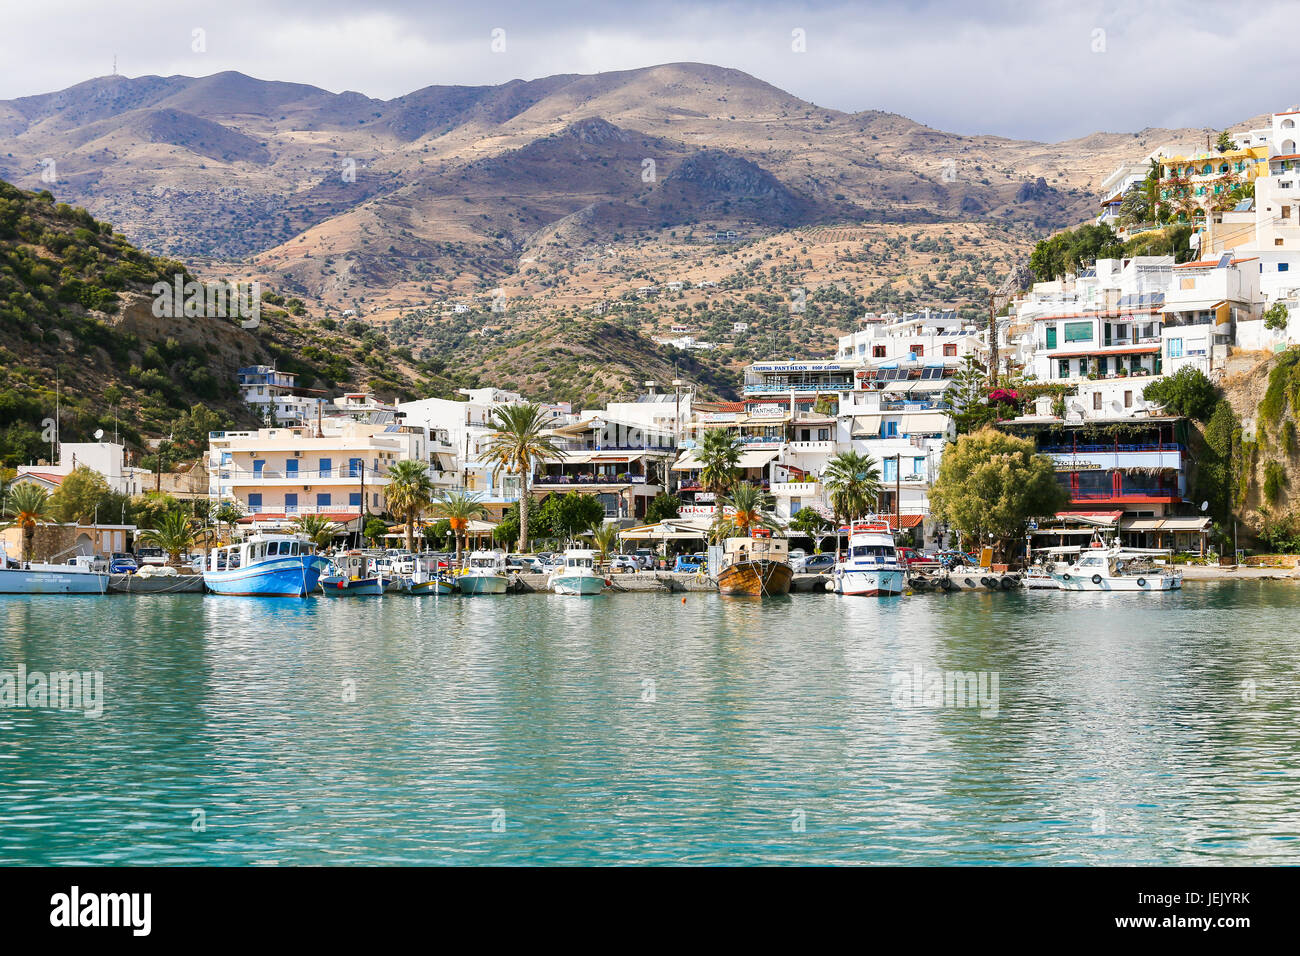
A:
<point x="749" y="505"/>
<point x="410" y="494"/>
<point x="28" y="505"/>
<point x="519" y="442"/>
<point x="605" y="536"/>
<point x="316" y="529"/>
<point x="719" y="457"/>
<point x="459" y="509"/>
<point x="852" y="483"/>
<point x="176" y="533"/>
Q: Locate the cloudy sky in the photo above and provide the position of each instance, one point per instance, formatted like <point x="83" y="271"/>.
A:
<point x="1042" y="69"/>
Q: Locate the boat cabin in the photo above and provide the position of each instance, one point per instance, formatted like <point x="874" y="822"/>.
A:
<point x="579" y="558"/>
<point x="489" y="560"/>
<point x="759" y="546"/>
<point x="255" y="550"/>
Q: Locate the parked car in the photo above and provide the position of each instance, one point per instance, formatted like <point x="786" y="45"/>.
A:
<point x="814" y="564"/>
<point x="624" y="562"/>
<point x="797" y="554"/>
<point x="689" y="562"/>
<point x="151" y="556"/>
<point x="908" y="555"/>
<point x="524" y="563"/>
<point x="123" y="562"/>
<point x="645" y="557"/>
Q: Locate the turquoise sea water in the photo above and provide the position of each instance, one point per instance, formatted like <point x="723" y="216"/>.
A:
<point x="635" y="728"/>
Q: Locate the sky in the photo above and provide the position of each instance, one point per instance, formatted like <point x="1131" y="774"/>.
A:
<point x="1039" y="69"/>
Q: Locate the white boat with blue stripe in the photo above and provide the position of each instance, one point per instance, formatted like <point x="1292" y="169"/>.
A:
<point x="265" y="565"/>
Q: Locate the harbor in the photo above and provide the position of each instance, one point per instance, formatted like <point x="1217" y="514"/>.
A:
<point x="638" y="728"/>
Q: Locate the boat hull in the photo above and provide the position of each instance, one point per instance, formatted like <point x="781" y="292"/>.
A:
<point x="14" y="581"/>
<point x="577" y="584"/>
<point x="156" y="584"/>
<point x="482" y="583"/>
<point x="281" y="577"/>
<point x="341" y="587"/>
<point x="1156" y="582"/>
<point x="755" y="578"/>
<point x="874" y="583"/>
<point x="437" y="586"/>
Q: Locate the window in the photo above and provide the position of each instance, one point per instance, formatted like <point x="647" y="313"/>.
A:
<point x="1175" y="348"/>
<point x="891" y="429"/>
<point x="354" y="499"/>
<point x="323" y="500"/>
<point x="291" y="468"/>
<point x="255" y="502"/>
<point x="1096" y="401"/>
<point x="950" y="350"/>
<point x="1051" y="336"/>
<point x="290" y="504"/>
<point x="918" y="466"/>
<point x="258" y="465"/>
<point x="1128" y="399"/>
<point x="354" y="467"/>
<point x="1103" y="365"/>
<point x="877" y="351"/>
<point x="1078" y="331"/>
<point x="1063" y="368"/>
<point x="891" y="469"/>
<point x="1283" y="267"/>
<point x="374" y="498"/>
<point x="326" y="467"/>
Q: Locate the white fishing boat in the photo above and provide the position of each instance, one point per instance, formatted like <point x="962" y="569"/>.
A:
<point x="351" y="574"/>
<point x="577" y="575"/>
<point x="82" y="574"/>
<point x="1038" y="576"/>
<point x="1118" y="569"/>
<point x="872" y="566"/>
<point x="428" y="576"/>
<point x="484" y="574"/>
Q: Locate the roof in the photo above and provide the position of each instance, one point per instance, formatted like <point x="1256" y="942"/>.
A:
<point x="899" y="522"/>
<point x="748" y="459"/>
<point x="1165" y="524"/>
<point x="1101" y="519"/>
<point x="49" y="477"/>
<point x="1211" y="263"/>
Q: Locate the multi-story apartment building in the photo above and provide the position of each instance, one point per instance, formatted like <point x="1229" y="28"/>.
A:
<point x="276" y="474"/>
<point x="624" y="464"/>
<point x="1202" y="309"/>
<point x="930" y="337"/>
<point x="276" y="397"/>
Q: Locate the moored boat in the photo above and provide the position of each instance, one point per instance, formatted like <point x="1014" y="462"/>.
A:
<point x="485" y="574"/>
<point x="872" y="566"/>
<point x="428" y="577"/>
<point x="265" y="565"/>
<point x="82" y="574"/>
<point x="577" y="575"/>
<point x="351" y="574"/>
<point x="1118" y="569"/>
<point x="758" y="566"/>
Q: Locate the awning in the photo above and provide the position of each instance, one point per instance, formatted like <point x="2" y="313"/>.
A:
<point x="1099" y="519"/>
<point x="923" y="423"/>
<point x="1165" y="524"/>
<point x="901" y="386"/>
<point x="867" y="426"/>
<point x="670" y="530"/>
<point x="1114" y="350"/>
<point x="688" y="462"/>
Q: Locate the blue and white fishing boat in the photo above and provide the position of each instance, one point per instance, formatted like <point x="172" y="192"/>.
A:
<point x="486" y="574"/>
<point x="872" y="566"/>
<point x="428" y="576"/>
<point x="265" y="565"/>
<point x="83" y="574"/>
<point x="351" y="574"/>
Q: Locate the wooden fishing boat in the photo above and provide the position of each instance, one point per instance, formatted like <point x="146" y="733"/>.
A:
<point x="758" y="566"/>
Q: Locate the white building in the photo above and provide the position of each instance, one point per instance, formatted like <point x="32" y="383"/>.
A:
<point x="275" y="395"/>
<point x="105" y="458"/>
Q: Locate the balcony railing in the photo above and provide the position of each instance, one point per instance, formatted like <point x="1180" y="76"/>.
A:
<point x="767" y="388"/>
<point x="1111" y="495"/>
<point x="1142" y="446"/>
<point x="616" y="479"/>
<point x="344" y="472"/>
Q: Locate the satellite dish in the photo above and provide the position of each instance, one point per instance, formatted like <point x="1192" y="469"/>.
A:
<point x="99" y="433"/>
<point x="1205" y="505"/>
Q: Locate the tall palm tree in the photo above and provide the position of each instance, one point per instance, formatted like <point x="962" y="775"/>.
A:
<point x="852" y="483"/>
<point x="27" y="505"/>
<point x="176" y="533"/>
<point x="748" y="504"/>
<point x="410" y="494"/>
<point x="719" y="457"/>
<point x="518" y="443"/>
<point x="318" y="530"/>
<point x="459" y="509"/>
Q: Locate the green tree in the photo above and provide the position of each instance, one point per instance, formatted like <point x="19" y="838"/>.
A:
<point x="227" y="514"/>
<point x="571" y="513"/>
<point x="317" y="529"/>
<point x="852" y="483"/>
<point x="82" y="495"/>
<point x="410" y="494"/>
<point x="1224" y="142"/>
<point x="518" y="443"/>
<point x="175" y="533"/>
<point x="604" y="535"/>
<point x="27" y="505"/>
<point x="1277" y="317"/>
<point x="810" y="523"/>
<point x="719" y="457"/>
<point x="459" y="509"/>
<point x="992" y="484"/>
<point x="1187" y="392"/>
<point x="148" y="509"/>
<point x="743" y="509"/>
<point x="375" y="530"/>
<point x="663" y="507"/>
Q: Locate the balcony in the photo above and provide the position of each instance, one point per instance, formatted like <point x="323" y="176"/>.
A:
<point x="775" y="389"/>
<point x="585" y="481"/>
<point x="811" y="447"/>
<point x="275" y="476"/>
<point x="796" y="489"/>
